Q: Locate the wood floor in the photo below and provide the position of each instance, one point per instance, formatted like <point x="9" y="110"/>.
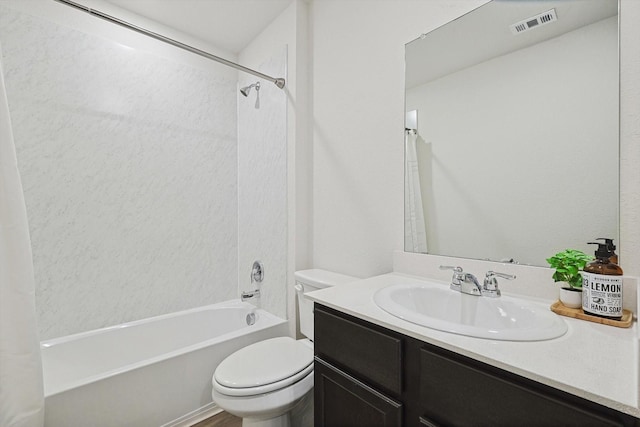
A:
<point x="222" y="419"/>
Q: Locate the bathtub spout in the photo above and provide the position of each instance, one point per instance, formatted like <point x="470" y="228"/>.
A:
<point x="250" y="294"/>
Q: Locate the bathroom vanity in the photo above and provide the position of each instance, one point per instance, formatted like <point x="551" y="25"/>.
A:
<point x="372" y="369"/>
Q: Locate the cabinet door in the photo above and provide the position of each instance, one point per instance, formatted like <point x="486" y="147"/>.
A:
<point x="365" y="350"/>
<point x="457" y="391"/>
<point x="343" y="401"/>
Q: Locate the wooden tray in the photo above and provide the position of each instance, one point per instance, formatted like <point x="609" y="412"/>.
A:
<point x="625" y="322"/>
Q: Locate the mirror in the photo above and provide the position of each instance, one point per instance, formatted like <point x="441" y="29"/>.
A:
<point x="511" y="136"/>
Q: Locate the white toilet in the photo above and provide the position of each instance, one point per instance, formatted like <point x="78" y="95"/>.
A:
<point x="270" y="382"/>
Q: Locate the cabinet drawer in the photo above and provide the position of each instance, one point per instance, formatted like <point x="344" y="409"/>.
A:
<point x="360" y="349"/>
<point x="343" y="401"/>
<point x="458" y="391"/>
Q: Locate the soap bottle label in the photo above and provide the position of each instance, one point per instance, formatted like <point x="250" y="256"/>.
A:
<point x="602" y="294"/>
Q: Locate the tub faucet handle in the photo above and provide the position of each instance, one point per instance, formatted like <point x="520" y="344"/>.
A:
<point x="257" y="272"/>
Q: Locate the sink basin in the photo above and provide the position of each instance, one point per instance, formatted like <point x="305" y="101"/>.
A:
<point x="438" y="307"/>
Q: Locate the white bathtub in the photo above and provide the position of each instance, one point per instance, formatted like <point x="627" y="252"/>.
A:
<point x="151" y="372"/>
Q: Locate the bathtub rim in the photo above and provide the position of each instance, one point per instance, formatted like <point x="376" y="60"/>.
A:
<point x="270" y="320"/>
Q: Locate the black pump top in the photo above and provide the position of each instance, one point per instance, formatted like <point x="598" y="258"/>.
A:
<point x="604" y="251"/>
<point x="609" y="243"/>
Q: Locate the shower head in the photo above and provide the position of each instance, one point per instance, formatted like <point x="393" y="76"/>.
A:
<point x="245" y="90"/>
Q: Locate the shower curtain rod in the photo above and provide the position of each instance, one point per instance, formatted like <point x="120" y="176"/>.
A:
<point x="280" y="82"/>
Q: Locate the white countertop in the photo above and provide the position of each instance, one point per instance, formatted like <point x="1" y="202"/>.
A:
<point x="593" y="361"/>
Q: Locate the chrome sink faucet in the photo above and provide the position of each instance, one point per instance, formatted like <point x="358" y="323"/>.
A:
<point x="467" y="283"/>
<point x="463" y="282"/>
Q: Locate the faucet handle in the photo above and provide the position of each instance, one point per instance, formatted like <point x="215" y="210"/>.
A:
<point x="257" y="272"/>
<point x="491" y="274"/>
<point x="490" y="287"/>
<point x="458" y="275"/>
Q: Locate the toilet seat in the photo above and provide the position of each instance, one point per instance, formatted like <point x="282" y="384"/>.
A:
<point x="253" y="391"/>
<point x="263" y="367"/>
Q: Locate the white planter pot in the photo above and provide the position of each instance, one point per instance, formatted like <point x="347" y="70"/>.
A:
<point x="571" y="298"/>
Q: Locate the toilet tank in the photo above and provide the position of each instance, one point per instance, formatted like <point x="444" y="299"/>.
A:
<point x="312" y="280"/>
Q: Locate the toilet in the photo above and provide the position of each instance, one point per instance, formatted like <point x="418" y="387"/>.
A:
<point x="269" y="383"/>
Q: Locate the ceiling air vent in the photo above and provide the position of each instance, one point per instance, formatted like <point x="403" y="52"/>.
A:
<point x="534" y="22"/>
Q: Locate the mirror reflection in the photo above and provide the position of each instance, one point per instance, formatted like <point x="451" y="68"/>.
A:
<point x="511" y="135"/>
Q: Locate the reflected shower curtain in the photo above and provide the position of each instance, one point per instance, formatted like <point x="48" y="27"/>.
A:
<point x="415" y="236"/>
<point x="21" y="388"/>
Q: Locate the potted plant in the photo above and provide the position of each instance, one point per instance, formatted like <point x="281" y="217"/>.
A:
<point x="568" y="265"/>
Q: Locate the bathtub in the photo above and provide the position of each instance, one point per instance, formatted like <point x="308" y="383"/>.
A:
<point x="152" y="372"/>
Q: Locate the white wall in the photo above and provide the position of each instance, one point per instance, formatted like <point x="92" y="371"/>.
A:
<point x="480" y="162"/>
<point x="262" y="185"/>
<point x="267" y="234"/>
<point x="129" y="163"/>
<point x="358" y="104"/>
<point x="290" y="31"/>
<point x="358" y="113"/>
<point x="630" y="136"/>
<point x="81" y="21"/>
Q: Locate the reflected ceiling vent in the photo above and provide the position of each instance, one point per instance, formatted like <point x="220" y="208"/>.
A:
<point x="534" y="22"/>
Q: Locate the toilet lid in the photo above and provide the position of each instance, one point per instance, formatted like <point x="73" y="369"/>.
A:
<point x="264" y="363"/>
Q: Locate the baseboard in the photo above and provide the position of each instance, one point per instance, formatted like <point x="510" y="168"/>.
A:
<point x="195" y="417"/>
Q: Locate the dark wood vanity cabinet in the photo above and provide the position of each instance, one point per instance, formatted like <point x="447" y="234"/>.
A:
<point x="360" y="376"/>
<point x="369" y="376"/>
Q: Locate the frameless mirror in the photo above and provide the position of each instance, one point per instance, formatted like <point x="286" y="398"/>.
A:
<point x="511" y="137"/>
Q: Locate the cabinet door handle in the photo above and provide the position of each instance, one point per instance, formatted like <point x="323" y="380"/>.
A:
<point x="428" y="423"/>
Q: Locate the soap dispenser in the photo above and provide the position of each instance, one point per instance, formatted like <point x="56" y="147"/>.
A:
<point x="602" y="284"/>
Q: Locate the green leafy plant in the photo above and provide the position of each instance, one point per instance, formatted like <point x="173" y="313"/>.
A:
<point x="568" y="265"/>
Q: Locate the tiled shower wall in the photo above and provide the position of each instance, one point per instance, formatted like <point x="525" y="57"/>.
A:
<point x="130" y="168"/>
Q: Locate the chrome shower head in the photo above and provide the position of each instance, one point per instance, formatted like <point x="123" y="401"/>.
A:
<point x="245" y="90"/>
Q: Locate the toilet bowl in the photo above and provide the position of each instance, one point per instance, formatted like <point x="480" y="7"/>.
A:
<point x="264" y="381"/>
<point x="270" y="382"/>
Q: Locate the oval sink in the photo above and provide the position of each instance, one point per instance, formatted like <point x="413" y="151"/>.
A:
<point x="438" y="307"/>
